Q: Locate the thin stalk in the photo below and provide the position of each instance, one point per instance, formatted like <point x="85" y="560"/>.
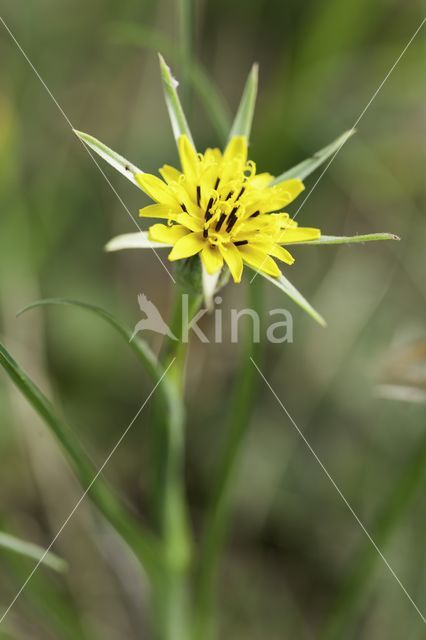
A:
<point x="218" y="511"/>
<point x="347" y="607"/>
<point x="185" y="10"/>
<point x="175" y="526"/>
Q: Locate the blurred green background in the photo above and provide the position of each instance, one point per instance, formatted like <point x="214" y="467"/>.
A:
<point x="294" y="549"/>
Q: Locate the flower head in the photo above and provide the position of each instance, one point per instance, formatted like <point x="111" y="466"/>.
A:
<point x="219" y="207"/>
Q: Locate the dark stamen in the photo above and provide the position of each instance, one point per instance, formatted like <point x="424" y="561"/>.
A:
<point x="198" y="195"/>
<point x="232" y="219"/>
<point x="221" y="221"/>
<point x="205" y="233"/>
<point x="208" y="215"/>
<point x="229" y="195"/>
<point x="241" y="193"/>
<point x="255" y="214"/>
<point x="217" y="183"/>
<point x="182" y="206"/>
<point x="240" y="243"/>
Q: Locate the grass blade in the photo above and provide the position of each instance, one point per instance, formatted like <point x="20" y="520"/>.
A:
<point x="244" y="117"/>
<point x="285" y="285"/>
<point x="143" y="544"/>
<point x="119" y="163"/>
<point x="306" y="167"/>
<point x="177" y="117"/>
<point x="33" y="551"/>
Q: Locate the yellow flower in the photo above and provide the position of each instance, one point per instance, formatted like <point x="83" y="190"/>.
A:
<point x="218" y="207"/>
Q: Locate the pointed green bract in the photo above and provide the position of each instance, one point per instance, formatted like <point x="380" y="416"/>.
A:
<point x="289" y="289"/>
<point x="244" y="118"/>
<point x="119" y="163"/>
<point x="177" y="117"/>
<point x="33" y="551"/>
<point x="138" y="240"/>
<point x="306" y="167"/>
<point x="210" y="283"/>
<point x="369" y="237"/>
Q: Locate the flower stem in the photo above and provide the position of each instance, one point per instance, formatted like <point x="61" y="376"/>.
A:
<point x="218" y="511"/>
<point x="174" y="610"/>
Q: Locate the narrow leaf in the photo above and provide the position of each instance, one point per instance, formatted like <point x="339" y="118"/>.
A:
<point x="143" y="543"/>
<point x="244" y="118"/>
<point x="140" y="347"/>
<point x="138" y="240"/>
<point x="289" y="289"/>
<point x="119" y="163"/>
<point x="33" y="551"/>
<point x="306" y="167"/>
<point x="369" y="237"/>
<point x="177" y="117"/>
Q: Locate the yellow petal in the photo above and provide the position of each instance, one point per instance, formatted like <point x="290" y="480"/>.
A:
<point x="191" y="222"/>
<point x="188" y="159"/>
<point x="299" y="234"/>
<point x="236" y="149"/>
<point x="156" y="189"/>
<point x="233" y="259"/>
<point x="259" y="260"/>
<point x="167" y="234"/>
<point x="187" y="246"/>
<point x="170" y="174"/>
<point x="280" y="253"/>
<point x="157" y="211"/>
<point x="282" y="194"/>
<point x="261" y="180"/>
<point x="212" y="259"/>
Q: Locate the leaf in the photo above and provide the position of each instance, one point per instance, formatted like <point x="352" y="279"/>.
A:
<point x="244" y="117"/>
<point x="177" y="117"/>
<point x="289" y="289"/>
<point x="369" y="237"/>
<point x="119" y="163"/>
<point x="138" y="240"/>
<point x="140" y="347"/>
<point x="306" y="167"/>
<point x="33" y="551"/>
<point x="143" y="543"/>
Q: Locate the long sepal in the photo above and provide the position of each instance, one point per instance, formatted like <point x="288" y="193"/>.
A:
<point x="244" y="117"/>
<point x="210" y="283"/>
<point x="119" y="163"/>
<point x="33" y="551"/>
<point x="303" y="169"/>
<point x="369" y="237"/>
<point x="289" y="289"/>
<point x="138" y="240"/>
<point x="174" y="107"/>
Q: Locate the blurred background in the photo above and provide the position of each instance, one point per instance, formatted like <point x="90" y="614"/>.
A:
<point x="297" y="563"/>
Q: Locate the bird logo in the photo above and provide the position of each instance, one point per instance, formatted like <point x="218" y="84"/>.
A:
<point x="153" y="320"/>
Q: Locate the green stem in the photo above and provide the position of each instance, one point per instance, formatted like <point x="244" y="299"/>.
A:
<point x="176" y="536"/>
<point x="186" y="43"/>
<point x="218" y="511"/>
<point x="350" y="598"/>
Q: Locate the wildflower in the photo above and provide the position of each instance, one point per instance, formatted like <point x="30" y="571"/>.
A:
<point x="217" y="206"/>
<point x="220" y="208"/>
